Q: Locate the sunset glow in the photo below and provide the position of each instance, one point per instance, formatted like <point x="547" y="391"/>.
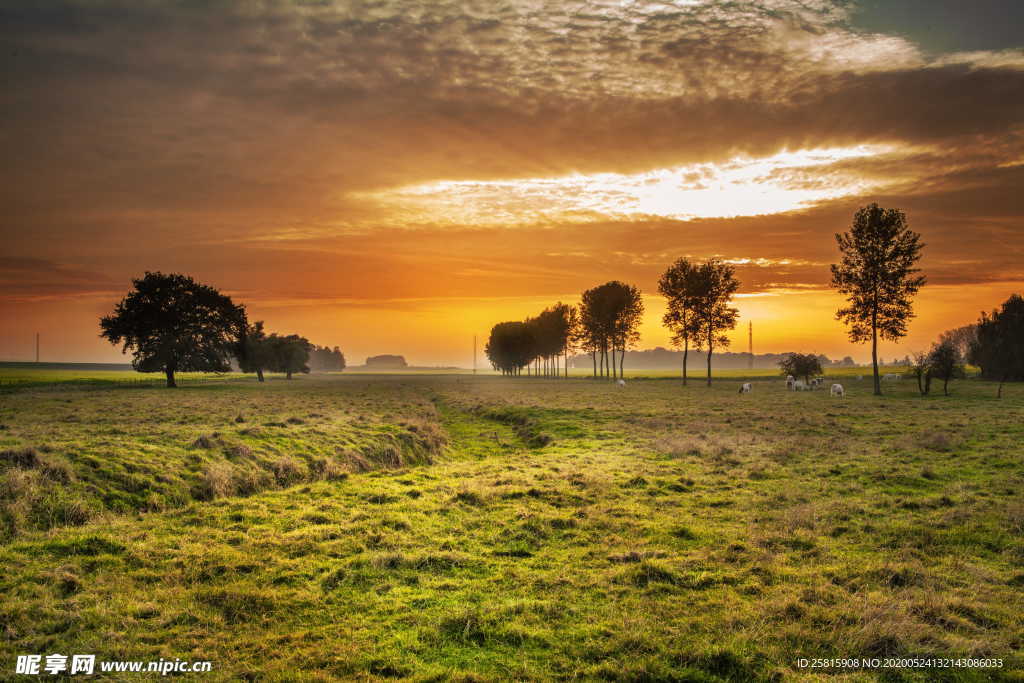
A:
<point x="397" y="177"/>
<point x="741" y="186"/>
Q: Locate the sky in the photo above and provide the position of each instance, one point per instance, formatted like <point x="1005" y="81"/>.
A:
<point x="396" y="176"/>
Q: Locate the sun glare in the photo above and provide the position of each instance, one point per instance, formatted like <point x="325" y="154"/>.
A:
<point x="742" y="186"/>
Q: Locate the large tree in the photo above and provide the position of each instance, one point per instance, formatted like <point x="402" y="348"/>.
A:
<point x="678" y="285"/>
<point x="290" y="354"/>
<point x="254" y="352"/>
<point x="946" y="363"/>
<point x="803" y="365"/>
<point x="715" y="284"/>
<point x="998" y="348"/>
<point x="877" y="274"/>
<point x="171" y="323"/>
<point x="610" y="315"/>
<point x="961" y="338"/>
<point x="509" y="347"/>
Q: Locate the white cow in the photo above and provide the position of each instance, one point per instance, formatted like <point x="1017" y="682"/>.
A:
<point x="622" y="382"/>
<point x="860" y="378"/>
<point x="799" y="385"/>
<point x="837" y="390"/>
<point x="746" y="388"/>
<point x="891" y="377"/>
<point x="790" y="381"/>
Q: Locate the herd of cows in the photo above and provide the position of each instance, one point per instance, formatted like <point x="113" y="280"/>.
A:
<point x="794" y="384"/>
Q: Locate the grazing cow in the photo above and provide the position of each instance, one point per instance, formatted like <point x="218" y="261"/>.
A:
<point x="891" y="377"/>
<point x="622" y="382"/>
<point x="799" y="385"/>
<point x="837" y="390"/>
<point x="746" y="388"/>
<point x="790" y="381"/>
<point x="860" y="378"/>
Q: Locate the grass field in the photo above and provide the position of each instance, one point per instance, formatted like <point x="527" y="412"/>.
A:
<point x="438" y="527"/>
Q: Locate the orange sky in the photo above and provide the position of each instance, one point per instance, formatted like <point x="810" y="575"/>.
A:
<point x="394" y="177"/>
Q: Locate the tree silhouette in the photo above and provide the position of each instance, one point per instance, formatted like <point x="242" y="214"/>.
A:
<point x="801" y="365"/>
<point x="961" y="338"/>
<point x="509" y="347"/>
<point x="998" y="348"/>
<point x="254" y="353"/>
<point x="715" y="284"/>
<point x="610" y="315"/>
<point x="324" y="359"/>
<point x="678" y="286"/>
<point x="877" y="274"/>
<point x="290" y="354"/>
<point x="920" y="366"/>
<point x="945" y="363"/>
<point x="173" y="324"/>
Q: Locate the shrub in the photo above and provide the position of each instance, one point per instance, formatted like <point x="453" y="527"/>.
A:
<point x="288" y="471"/>
<point x="218" y="481"/>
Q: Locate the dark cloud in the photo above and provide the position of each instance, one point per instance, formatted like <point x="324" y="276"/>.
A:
<point x="230" y="139"/>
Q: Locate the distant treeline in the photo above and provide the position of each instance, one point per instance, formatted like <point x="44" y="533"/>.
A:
<point x="660" y="358"/>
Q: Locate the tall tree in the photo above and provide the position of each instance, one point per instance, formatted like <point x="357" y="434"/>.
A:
<point x="509" y="347"/>
<point x="610" y="315"/>
<point x="961" y="338"/>
<point x="998" y="348"/>
<point x="254" y="353"/>
<point x="877" y="274"/>
<point x="172" y="323"/>
<point x="920" y="366"/>
<point x="290" y="354"/>
<point x="946" y="363"/>
<point x="572" y="337"/>
<point x="678" y="285"/>
<point x="715" y="284"/>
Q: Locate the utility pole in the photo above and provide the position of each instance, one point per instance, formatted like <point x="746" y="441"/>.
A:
<point x="750" y="343"/>
<point x="474" y="354"/>
<point x="37" y="347"/>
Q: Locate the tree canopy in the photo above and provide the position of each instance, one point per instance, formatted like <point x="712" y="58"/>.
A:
<point x="715" y="284"/>
<point x="171" y="323"/>
<point x="946" y="363"/>
<point x="998" y="348"/>
<point x="804" y="365"/>
<point x="679" y="285"/>
<point x="289" y="354"/>
<point x="610" y="317"/>
<point x="877" y="274"/>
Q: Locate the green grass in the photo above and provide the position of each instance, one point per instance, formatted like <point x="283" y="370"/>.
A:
<point x="436" y="527"/>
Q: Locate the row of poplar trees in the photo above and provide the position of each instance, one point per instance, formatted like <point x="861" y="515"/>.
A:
<point x="606" y="322"/>
<point x="877" y="274"/>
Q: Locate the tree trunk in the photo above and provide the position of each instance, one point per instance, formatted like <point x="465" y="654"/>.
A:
<point x="945" y="386"/>
<point x="874" y="352"/>
<point x="259" y="374"/>
<point x="999" y="394"/>
<point x="288" y="374"/>
<point x="593" y="357"/>
<point x="710" y="350"/>
<point x="622" y="361"/>
<point x="169" y="371"/>
<point x="686" y="352"/>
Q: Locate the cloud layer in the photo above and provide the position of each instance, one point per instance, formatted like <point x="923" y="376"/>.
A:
<point x="425" y="146"/>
